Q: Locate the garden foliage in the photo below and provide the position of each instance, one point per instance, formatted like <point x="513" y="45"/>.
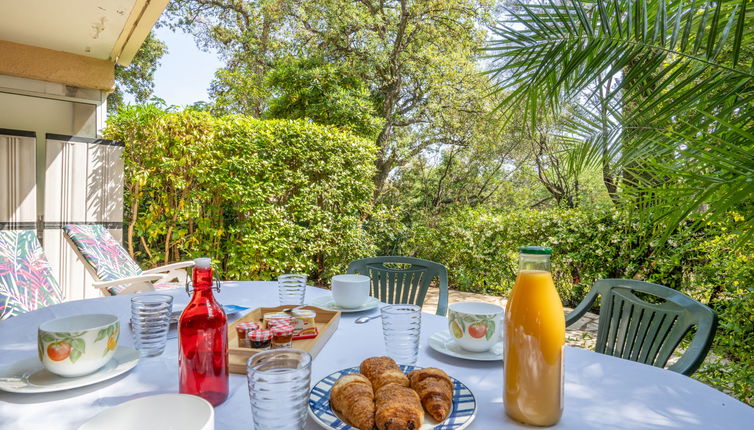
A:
<point x="479" y="247"/>
<point x="260" y="197"/>
<point x="268" y="197"/>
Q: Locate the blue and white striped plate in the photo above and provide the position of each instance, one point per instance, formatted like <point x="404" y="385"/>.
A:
<point x="463" y="413"/>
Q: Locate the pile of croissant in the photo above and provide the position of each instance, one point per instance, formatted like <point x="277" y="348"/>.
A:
<point x="383" y="396"/>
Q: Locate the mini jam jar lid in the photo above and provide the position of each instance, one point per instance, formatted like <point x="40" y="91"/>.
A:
<point x="249" y="325"/>
<point x="259" y="335"/>
<point x="280" y="321"/>
<point x="282" y="330"/>
<point x="535" y="250"/>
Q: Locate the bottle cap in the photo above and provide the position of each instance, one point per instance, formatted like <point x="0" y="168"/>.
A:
<point x="535" y="250"/>
<point x="202" y="263"/>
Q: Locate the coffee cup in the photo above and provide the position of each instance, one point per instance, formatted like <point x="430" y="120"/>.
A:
<point x="475" y="326"/>
<point x="78" y="345"/>
<point x="350" y="291"/>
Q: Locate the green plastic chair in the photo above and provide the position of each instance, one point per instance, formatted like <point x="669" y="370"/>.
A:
<point x="403" y="279"/>
<point x="637" y="330"/>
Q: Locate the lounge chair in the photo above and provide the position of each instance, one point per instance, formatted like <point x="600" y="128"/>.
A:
<point x="113" y="269"/>
<point x="26" y="279"/>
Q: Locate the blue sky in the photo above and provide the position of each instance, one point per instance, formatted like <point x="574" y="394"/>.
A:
<point x="185" y="72"/>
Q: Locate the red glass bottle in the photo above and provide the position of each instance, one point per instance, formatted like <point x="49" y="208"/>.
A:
<point x="203" y="341"/>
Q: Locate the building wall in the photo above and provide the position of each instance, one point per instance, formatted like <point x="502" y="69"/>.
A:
<point x="49" y="108"/>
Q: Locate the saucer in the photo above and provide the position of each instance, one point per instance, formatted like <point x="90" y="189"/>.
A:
<point x="443" y="342"/>
<point x="328" y="303"/>
<point x="29" y="376"/>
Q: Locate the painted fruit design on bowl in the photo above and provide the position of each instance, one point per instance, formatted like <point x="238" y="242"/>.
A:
<point x="476" y="326"/>
<point x="71" y="346"/>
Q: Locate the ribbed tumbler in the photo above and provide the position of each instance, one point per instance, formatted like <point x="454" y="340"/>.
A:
<point x="401" y="326"/>
<point x="279" y="382"/>
<point x="291" y="289"/>
<point x="150" y="322"/>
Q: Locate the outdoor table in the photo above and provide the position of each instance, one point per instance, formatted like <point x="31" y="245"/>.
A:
<point x="601" y="392"/>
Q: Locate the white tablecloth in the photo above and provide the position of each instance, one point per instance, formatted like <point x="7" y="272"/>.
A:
<point x="601" y="392"/>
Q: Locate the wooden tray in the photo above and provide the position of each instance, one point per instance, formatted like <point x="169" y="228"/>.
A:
<point x="327" y="322"/>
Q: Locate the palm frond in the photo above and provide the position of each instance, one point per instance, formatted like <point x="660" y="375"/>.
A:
<point x="678" y="111"/>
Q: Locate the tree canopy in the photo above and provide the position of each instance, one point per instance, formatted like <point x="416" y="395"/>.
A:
<point x="137" y="78"/>
<point x="418" y="60"/>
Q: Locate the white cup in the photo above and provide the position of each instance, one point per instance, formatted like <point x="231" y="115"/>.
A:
<point x="350" y="291"/>
<point x="475" y="326"/>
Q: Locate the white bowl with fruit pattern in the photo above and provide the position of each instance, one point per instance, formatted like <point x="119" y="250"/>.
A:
<point x="475" y="326"/>
<point x="78" y="345"/>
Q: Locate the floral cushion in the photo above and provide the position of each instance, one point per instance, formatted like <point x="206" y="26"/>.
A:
<point x="26" y="280"/>
<point x="105" y="254"/>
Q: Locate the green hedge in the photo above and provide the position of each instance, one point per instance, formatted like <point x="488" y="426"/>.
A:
<point x="711" y="264"/>
<point x="260" y="197"/>
<point x="481" y="247"/>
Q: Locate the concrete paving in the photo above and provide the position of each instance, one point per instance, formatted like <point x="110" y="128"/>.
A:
<point x="582" y="333"/>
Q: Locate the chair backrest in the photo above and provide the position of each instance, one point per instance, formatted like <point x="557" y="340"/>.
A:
<point x="104" y="257"/>
<point x="26" y="279"/>
<point x="403" y="279"/>
<point x="638" y="330"/>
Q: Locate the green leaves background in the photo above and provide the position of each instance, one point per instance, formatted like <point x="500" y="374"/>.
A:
<point x="262" y="197"/>
<point x="663" y="90"/>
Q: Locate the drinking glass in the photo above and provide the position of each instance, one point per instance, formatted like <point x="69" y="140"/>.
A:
<point x="150" y="321"/>
<point x="291" y="289"/>
<point x="401" y="326"/>
<point x="279" y="382"/>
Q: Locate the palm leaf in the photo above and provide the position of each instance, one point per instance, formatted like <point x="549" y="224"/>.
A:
<point x="680" y="107"/>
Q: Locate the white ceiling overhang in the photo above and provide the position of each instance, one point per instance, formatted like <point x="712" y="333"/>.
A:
<point x="110" y="30"/>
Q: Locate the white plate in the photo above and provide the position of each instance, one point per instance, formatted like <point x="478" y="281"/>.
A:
<point x="443" y="342"/>
<point x="328" y="303"/>
<point x="461" y="415"/>
<point x="29" y="376"/>
<point x="159" y="412"/>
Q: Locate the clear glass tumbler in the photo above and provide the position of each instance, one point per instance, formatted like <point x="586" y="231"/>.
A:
<point x="401" y="326"/>
<point x="150" y="322"/>
<point x="279" y="382"/>
<point x="291" y="289"/>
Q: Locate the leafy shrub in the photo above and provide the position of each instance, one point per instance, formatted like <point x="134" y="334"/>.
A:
<point x="261" y="197"/>
<point x="479" y="247"/>
<point x="726" y="269"/>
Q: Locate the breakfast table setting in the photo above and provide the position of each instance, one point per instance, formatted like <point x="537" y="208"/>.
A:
<point x="598" y="391"/>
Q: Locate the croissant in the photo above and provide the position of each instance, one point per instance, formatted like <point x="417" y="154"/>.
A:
<point x="382" y="371"/>
<point x="351" y="396"/>
<point x="435" y="389"/>
<point x="398" y="408"/>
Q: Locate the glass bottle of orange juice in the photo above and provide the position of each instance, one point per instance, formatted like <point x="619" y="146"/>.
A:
<point x="534" y="337"/>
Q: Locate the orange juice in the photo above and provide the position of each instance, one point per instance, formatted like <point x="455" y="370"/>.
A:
<point x="534" y="337"/>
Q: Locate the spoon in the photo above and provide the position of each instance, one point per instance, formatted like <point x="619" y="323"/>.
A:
<point x="362" y="320"/>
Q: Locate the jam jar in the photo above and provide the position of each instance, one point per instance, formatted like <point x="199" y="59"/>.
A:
<point x="260" y="339"/>
<point x="273" y="318"/>
<point x="242" y="330"/>
<point x="282" y="336"/>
